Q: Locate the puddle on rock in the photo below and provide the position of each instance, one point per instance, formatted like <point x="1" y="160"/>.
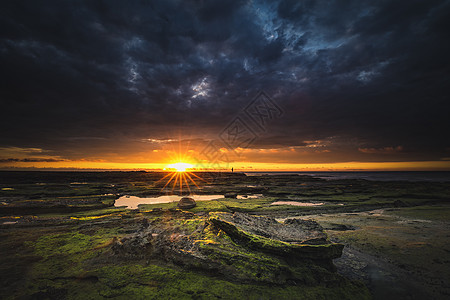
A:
<point x="132" y="202"/>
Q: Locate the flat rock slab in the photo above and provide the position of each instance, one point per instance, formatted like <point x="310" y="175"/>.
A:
<point x="294" y="231"/>
<point x="266" y="236"/>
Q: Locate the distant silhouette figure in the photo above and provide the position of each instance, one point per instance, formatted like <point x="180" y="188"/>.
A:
<point x="232" y="170"/>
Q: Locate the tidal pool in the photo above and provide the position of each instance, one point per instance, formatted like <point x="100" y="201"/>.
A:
<point x="296" y="203"/>
<point x="132" y="202"/>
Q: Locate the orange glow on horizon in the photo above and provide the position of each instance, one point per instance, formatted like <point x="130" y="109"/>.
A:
<point x="180" y="166"/>
<point x="185" y="158"/>
<point x="243" y="166"/>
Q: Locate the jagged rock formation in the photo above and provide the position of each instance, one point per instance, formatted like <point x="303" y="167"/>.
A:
<point x="236" y="246"/>
<point x="292" y="230"/>
<point x="267" y="235"/>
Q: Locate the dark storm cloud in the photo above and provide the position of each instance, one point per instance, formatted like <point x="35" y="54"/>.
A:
<point x="8" y="160"/>
<point x="364" y="74"/>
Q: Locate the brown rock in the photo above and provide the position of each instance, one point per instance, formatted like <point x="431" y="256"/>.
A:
<point x="186" y="203"/>
<point x="231" y="195"/>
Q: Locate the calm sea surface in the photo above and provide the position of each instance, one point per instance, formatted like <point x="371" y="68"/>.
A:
<point x="374" y="176"/>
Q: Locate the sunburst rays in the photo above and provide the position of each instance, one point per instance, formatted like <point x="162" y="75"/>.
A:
<point x="177" y="181"/>
<point x="180" y="179"/>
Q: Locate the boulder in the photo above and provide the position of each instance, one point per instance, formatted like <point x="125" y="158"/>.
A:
<point x="231" y="195"/>
<point x="186" y="203"/>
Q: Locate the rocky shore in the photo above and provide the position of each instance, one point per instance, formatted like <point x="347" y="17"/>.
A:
<point x="63" y="238"/>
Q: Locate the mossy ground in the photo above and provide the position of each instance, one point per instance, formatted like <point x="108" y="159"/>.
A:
<point x="60" y="253"/>
<point x="74" y="263"/>
<point x="415" y="239"/>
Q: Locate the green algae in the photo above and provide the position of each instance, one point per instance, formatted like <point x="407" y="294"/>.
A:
<point x="426" y="212"/>
<point x="414" y="239"/>
<point x="327" y="251"/>
<point x="156" y="282"/>
<point x="71" y="264"/>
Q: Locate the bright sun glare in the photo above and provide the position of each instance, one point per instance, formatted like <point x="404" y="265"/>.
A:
<point x="180" y="166"/>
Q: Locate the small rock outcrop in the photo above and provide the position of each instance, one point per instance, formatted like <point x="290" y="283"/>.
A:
<point x="186" y="203"/>
<point x="294" y="238"/>
<point x="231" y="195"/>
<point x="294" y="231"/>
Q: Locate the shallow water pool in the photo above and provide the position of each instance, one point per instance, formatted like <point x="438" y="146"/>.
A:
<point x="132" y="202"/>
<point x="296" y="203"/>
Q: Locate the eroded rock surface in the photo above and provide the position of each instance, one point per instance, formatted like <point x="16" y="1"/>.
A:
<point x="292" y="230"/>
<point x="237" y="246"/>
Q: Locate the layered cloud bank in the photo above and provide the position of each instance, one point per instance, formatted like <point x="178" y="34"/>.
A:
<point x="127" y="82"/>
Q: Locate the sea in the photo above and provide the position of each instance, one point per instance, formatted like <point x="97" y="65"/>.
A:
<point x="414" y="176"/>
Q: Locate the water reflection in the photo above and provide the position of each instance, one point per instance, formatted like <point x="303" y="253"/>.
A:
<point x="296" y="203"/>
<point x="132" y="202"/>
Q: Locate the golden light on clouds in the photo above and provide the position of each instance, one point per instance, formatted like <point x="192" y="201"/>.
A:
<point x="245" y="166"/>
<point x="184" y="157"/>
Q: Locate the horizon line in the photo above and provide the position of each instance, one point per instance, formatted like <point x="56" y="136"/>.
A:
<point x="205" y="170"/>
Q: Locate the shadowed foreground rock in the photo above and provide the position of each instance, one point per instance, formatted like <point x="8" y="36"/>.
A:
<point x="300" y="248"/>
<point x="295" y="231"/>
<point x="171" y="254"/>
<point x="237" y="246"/>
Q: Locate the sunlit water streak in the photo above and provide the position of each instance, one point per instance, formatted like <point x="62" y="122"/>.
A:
<point x="296" y="203"/>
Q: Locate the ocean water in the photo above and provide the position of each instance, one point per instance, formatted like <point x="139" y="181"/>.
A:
<point x="419" y="176"/>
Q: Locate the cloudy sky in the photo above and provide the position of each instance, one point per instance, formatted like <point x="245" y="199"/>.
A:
<point x="138" y="83"/>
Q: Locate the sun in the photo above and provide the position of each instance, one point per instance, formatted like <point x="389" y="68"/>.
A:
<point x="179" y="175"/>
<point x="180" y="166"/>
